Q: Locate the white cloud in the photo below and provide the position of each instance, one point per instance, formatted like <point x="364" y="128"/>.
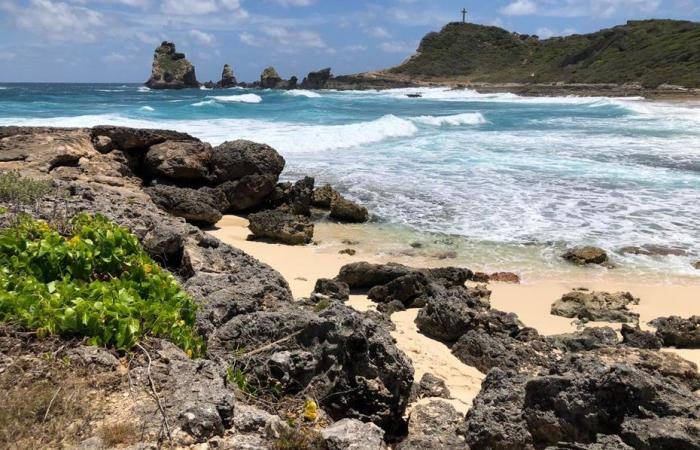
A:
<point x="203" y="38"/>
<point x="397" y="47"/>
<point x="519" y="8"/>
<point x="189" y="7"/>
<point x="284" y="40"/>
<point x="379" y="32"/>
<point x="249" y="39"/>
<point x="295" y="2"/>
<point x="57" y="20"/>
<point x="115" y="57"/>
<point x="7" y="55"/>
<point x="592" y="8"/>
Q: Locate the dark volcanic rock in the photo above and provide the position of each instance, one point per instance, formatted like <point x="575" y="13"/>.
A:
<point x="171" y="70"/>
<point x="296" y="198"/>
<point x="432" y="386"/>
<point x="351" y="434"/>
<point x="634" y="337"/>
<point x="234" y="160"/>
<point x="447" y="317"/>
<point x="228" y="79"/>
<point x="332" y="289"/>
<point x="363" y="275"/>
<point x="678" y="332"/>
<point x="434" y="425"/>
<point x="200" y="206"/>
<point x="269" y="78"/>
<point x="348" y="211"/>
<point x="587" y="339"/>
<point x="281" y="227"/>
<point x="596" y="306"/>
<point x="323" y="196"/>
<point x="180" y="160"/>
<point x="317" y="80"/>
<point x="586" y="255"/>
<point x="412" y="290"/>
<point x="249" y="191"/>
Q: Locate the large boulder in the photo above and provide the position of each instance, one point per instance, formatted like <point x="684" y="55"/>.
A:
<point x="348" y="211"/>
<point x="234" y="160"/>
<point x="587" y="339"/>
<point x="228" y="79"/>
<point x="248" y="192"/>
<point x="295" y="198"/>
<point x="434" y="425"/>
<point x="330" y="289"/>
<point x="596" y="306"/>
<point x="323" y="196"/>
<point x="171" y="70"/>
<point x="363" y="275"/>
<point x="351" y="434"/>
<point x="678" y="332"/>
<point x="269" y="78"/>
<point x="634" y="337"/>
<point x="448" y="316"/>
<point x="281" y="227"/>
<point x="199" y="206"/>
<point x="586" y="255"/>
<point x="179" y="160"/>
<point x="317" y="80"/>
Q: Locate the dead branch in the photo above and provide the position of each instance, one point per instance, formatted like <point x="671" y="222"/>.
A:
<point x="154" y="393"/>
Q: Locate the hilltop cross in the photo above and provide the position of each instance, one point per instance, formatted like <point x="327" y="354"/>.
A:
<point x="464" y="15"/>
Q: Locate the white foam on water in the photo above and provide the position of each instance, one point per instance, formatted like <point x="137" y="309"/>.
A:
<point x="242" y="98"/>
<point x="204" y="88"/>
<point x="144" y="89"/>
<point x="147" y="108"/>
<point x="109" y="90"/>
<point x="302" y="93"/>
<point x="205" y="103"/>
<point x="3" y="88"/>
<point x="473" y="118"/>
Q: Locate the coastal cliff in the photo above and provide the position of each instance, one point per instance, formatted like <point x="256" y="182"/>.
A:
<point x="171" y="70"/>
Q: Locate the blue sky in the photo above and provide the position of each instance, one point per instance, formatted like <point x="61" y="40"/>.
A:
<point x="113" y="40"/>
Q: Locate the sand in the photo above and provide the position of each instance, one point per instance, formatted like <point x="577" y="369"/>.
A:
<point x="303" y="265"/>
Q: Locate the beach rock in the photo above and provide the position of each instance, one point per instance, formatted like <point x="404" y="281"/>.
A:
<point x="352" y="434"/>
<point x="390" y="308"/>
<point x="586" y="255"/>
<point x="332" y="289"/>
<point x="171" y="70"/>
<point x="678" y="332"/>
<point x="481" y="277"/>
<point x="296" y="198"/>
<point x="447" y="317"/>
<point x="323" y="196"/>
<point x="667" y="433"/>
<point x="505" y="277"/>
<point x="434" y="425"/>
<point x="432" y="386"/>
<point x="179" y="160"/>
<point x="199" y="206"/>
<point x="228" y="79"/>
<point x="269" y="78"/>
<point x="697" y="265"/>
<point x="449" y="277"/>
<point x="634" y="337"/>
<point x="248" y="192"/>
<point x="596" y="306"/>
<point x="338" y="355"/>
<point x="108" y="137"/>
<point x="316" y="80"/>
<point x="348" y="211"/>
<point x="363" y="275"/>
<point x="587" y="339"/>
<point x="282" y="227"/>
<point x="234" y="160"/>
<point x="412" y="290"/>
<point x="603" y="442"/>
<point x="348" y="251"/>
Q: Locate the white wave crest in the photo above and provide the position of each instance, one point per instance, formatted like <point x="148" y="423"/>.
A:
<point x="473" y="118"/>
<point x="204" y="88"/>
<point x="243" y="98"/>
<point x="147" y="108"/>
<point x="302" y="93"/>
<point x="144" y="89"/>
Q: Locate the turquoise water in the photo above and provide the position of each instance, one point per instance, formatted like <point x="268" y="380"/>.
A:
<point x="497" y="170"/>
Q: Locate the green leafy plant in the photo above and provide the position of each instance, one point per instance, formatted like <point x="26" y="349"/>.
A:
<point x="96" y="282"/>
<point x="18" y="190"/>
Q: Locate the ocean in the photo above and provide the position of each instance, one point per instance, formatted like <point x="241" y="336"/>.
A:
<point x="504" y="180"/>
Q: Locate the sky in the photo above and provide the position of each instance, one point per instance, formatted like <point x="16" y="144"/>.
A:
<point x="113" y="40"/>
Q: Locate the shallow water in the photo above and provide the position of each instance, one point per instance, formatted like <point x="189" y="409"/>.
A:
<point x="507" y="180"/>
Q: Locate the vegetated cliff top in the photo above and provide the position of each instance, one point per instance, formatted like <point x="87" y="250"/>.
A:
<point x="651" y="52"/>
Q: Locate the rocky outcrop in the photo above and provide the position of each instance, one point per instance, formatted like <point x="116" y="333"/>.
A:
<point x="248" y="192"/>
<point x="351" y="434"/>
<point x="323" y="196"/>
<point x="348" y="211"/>
<point x="434" y="425"/>
<point x="586" y="255"/>
<point x="199" y="206"/>
<point x="294" y="197"/>
<point x="269" y="78"/>
<point x="678" y="332"/>
<point x="431" y="386"/>
<point x="596" y="306"/>
<point x="236" y="159"/>
<point x="171" y="70"/>
<point x="317" y="80"/>
<point x="330" y="289"/>
<point x="634" y="337"/>
<point x="280" y="226"/>
<point x="228" y="79"/>
<point x="179" y="160"/>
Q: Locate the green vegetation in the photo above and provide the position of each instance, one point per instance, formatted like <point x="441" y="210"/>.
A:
<point x="94" y="281"/>
<point x="16" y="190"/>
<point x="299" y="438"/>
<point x="651" y="52"/>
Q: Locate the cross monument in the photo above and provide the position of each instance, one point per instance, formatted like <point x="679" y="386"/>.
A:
<point x="464" y="15"/>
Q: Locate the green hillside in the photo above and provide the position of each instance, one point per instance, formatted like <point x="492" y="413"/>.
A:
<point x="652" y="52"/>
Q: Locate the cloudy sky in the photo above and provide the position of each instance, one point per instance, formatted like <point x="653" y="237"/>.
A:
<point x="113" y="40"/>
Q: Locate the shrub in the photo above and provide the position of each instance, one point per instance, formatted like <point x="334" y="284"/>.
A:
<point x="17" y="190"/>
<point x="96" y="282"/>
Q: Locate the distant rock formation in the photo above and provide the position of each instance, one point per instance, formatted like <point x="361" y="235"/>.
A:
<point x="269" y="78"/>
<point x="228" y="79"/>
<point x="317" y="80"/>
<point x="171" y="70"/>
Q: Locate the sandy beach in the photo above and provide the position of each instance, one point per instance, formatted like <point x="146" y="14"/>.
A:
<point x="531" y="300"/>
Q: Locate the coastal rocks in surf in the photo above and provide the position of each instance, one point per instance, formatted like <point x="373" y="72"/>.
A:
<point x="179" y="160"/>
<point x="270" y="79"/>
<point x="317" y="80"/>
<point x="248" y="192"/>
<point x="234" y="160"/>
<point x="500" y="277"/>
<point x="323" y="196"/>
<point x="199" y="206"/>
<point x="348" y="211"/>
<point x="228" y="79"/>
<point x="171" y="70"/>
<point x="586" y="255"/>
<point x="280" y="226"/>
<point x="596" y="306"/>
<point x="296" y="197"/>
<point x="678" y="332"/>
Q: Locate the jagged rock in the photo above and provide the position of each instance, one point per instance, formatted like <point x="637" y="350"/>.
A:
<point x="666" y="433"/>
<point x="281" y="227"/>
<point x="323" y="196"/>
<point x="597" y="306"/>
<point x="228" y="79"/>
<point x="678" y="332"/>
<point x="234" y="160"/>
<point x="269" y="78"/>
<point x="603" y="442"/>
<point x="171" y="70"/>
<point x="248" y="192"/>
<point x="586" y="255"/>
<point x="296" y="198"/>
<point x="390" y="308"/>
<point x="132" y="139"/>
<point x="351" y="434"/>
<point x="338" y="356"/>
<point x="505" y="277"/>
<point x="93" y="356"/>
<point x="199" y="206"/>
<point x="348" y="211"/>
<point x="209" y="84"/>
<point x="251" y="420"/>
<point x="316" y="80"/>
<point x="412" y="290"/>
<point x="432" y="386"/>
<point x="587" y="339"/>
<point x="434" y="425"/>
<point x="363" y="275"/>
<point x="332" y="289"/>
<point x="634" y="337"/>
<point x="179" y="160"/>
<point x="448" y="316"/>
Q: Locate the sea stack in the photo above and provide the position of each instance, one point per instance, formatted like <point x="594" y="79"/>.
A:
<point x="228" y="79"/>
<point x="171" y="70"/>
<point x="269" y="78"/>
<point x="317" y="80"/>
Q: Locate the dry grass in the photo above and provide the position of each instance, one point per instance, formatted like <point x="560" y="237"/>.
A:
<point x="119" y="433"/>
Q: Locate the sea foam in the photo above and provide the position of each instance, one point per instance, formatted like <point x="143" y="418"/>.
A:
<point x="302" y="93"/>
<point x="243" y="98"/>
<point x="473" y="118"/>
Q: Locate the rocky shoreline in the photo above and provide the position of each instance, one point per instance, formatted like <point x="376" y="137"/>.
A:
<point x="314" y="370"/>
